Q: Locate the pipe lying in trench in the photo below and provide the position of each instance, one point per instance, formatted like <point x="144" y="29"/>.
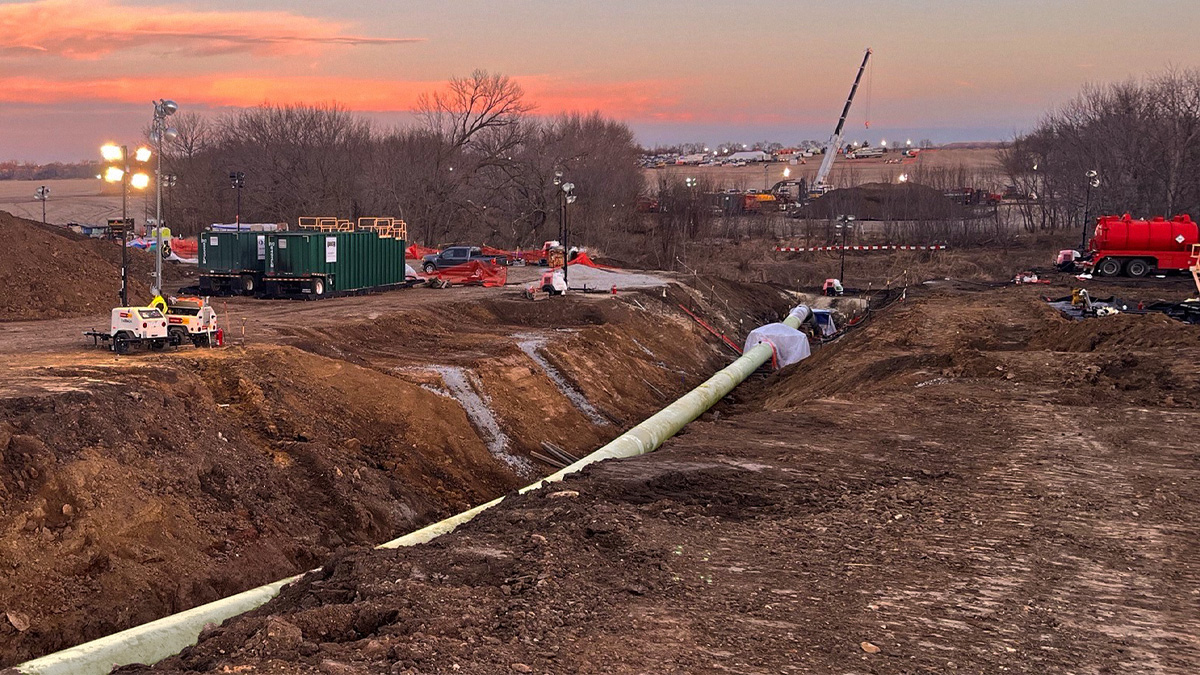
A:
<point x="159" y="639"/>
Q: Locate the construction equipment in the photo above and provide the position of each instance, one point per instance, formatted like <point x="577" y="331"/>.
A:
<point x="1135" y="248"/>
<point x="188" y="320"/>
<point x="133" y="326"/>
<point x="819" y="187"/>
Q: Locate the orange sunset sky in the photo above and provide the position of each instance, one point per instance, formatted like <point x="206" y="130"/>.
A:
<point x="74" y="74"/>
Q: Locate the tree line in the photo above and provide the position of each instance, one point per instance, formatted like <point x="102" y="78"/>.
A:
<point x="11" y="170"/>
<point x="1141" y="138"/>
<point x="477" y="166"/>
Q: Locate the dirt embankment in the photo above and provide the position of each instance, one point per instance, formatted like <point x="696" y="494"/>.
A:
<point x="50" y="272"/>
<point x="950" y="489"/>
<point x="885" y="201"/>
<point x="135" y="487"/>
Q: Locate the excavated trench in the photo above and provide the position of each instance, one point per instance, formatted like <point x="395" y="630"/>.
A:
<point x="157" y="483"/>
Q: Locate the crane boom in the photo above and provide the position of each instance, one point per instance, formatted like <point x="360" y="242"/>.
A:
<point x="835" y="141"/>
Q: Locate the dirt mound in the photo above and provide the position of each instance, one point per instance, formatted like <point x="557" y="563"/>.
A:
<point x="885" y="201"/>
<point x="153" y="489"/>
<point x="1122" y="331"/>
<point x="49" y="272"/>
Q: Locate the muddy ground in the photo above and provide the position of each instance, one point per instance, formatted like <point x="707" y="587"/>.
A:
<point x="968" y="483"/>
<point x="138" y="486"/>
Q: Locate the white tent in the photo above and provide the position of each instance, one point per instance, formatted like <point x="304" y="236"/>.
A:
<point x="749" y="156"/>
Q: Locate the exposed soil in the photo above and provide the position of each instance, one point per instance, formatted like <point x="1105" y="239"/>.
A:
<point x="885" y="201"/>
<point x="962" y="485"/>
<point x="134" y="487"/>
<point x="47" y="272"/>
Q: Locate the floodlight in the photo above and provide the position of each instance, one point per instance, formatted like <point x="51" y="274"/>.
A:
<point x="140" y="180"/>
<point x="903" y="178"/>
<point x="142" y="154"/>
<point x="113" y="174"/>
<point x="171" y="133"/>
<point x="111" y="152"/>
<point x="169" y="107"/>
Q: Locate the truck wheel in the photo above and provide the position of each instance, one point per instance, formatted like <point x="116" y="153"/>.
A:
<point x="1137" y="268"/>
<point x="248" y="284"/>
<point x="177" y="335"/>
<point x="121" y="343"/>
<point x="318" y="287"/>
<point x="429" y="268"/>
<point x="201" y="340"/>
<point x="1109" y="267"/>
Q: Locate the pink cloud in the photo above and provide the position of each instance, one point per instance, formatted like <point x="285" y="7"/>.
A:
<point x="90" y="30"/>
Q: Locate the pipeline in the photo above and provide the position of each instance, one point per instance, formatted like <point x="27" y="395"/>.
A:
<point x="151" y="642"/>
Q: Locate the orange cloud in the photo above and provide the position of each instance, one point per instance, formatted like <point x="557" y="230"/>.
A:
<point x="89" y="30"/>
<point x="641" y="99"/>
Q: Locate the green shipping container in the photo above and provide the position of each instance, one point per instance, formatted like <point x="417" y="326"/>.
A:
<point x="321" y="263"/>
<point x="232" y="252"/>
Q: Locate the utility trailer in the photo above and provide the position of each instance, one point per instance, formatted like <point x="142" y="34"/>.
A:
<point x="131" y="327"/>
<point x="231" y="263"/>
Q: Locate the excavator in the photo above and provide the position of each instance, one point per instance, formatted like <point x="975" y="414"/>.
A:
<point x="819" y="186"/>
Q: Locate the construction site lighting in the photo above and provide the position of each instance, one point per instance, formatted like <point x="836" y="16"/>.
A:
<point x="787" y="172"/>
<point x="142" y="154"/>
<point x="140" y="180"/>
<point x="113" y="174"/>
<point x="883" y="143"/>
<point x="111" y="153"/>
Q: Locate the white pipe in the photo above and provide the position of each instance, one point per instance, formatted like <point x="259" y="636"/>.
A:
<point x="157" y="640"/>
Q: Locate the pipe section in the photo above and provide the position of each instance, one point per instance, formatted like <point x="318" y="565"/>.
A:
<point x="159" y="639"/>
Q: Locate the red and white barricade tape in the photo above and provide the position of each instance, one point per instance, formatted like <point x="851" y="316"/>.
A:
<point x="801" y="249"/>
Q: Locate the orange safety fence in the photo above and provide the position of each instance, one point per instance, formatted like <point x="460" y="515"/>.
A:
<point x="474" y="273"/>
<point x="582" y="258"/>
<point x="417" y="252"/>
<point x="185" y="248"/>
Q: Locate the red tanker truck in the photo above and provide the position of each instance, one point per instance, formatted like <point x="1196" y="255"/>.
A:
<point x="1136" y="248"/>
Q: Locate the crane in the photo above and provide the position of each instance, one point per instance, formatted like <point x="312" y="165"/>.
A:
<point x="835" y="141"/>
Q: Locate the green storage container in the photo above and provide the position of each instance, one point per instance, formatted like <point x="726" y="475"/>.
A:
<point x="322" y="263"/>
<point x="232" y="252"/>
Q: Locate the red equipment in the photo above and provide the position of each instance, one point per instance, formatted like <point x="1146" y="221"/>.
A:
<point x="1137" y="247"/>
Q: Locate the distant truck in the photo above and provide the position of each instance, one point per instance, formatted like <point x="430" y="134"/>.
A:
<point x="1135" y="248"/>
<point x="459" y="255"/>
<point x="866" y="153"/>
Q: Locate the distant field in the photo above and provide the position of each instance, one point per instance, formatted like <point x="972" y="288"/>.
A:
<point x="845" y="172"/>
<point x="76" y="200"/>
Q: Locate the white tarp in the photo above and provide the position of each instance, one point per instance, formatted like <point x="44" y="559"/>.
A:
<point x="790" y="344"/>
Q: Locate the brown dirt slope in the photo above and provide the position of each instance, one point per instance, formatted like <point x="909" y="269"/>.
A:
<point x="50" y="272"/>
<point x="938" y="492"/>
<point x="134" y="487"/>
